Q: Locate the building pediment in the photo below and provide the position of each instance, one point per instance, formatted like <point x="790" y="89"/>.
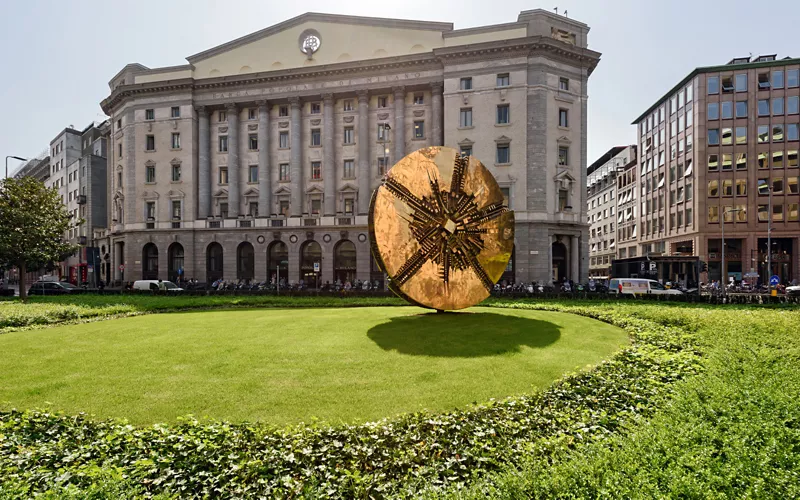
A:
<point x="315" y="189"/>
<point x="564" y="175"/>
<point x="221" y="193"/>
<point x="337" y="39"/>
<point x="250" y="192"/>
<point x="348" y="188"/>
<point x="283" y="190"/>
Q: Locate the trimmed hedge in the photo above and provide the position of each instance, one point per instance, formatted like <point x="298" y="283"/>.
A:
<point x="402" y="456"/>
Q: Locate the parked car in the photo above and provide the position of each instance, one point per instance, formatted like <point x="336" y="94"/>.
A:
<point x="793" y="290"/>
<point x="634" y="286"/>
<point x="53" y="288"/>
<point x="148" y="285"/>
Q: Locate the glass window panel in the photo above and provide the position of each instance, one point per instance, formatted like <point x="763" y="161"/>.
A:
<point x="793" y="132"/>
<point x="763" y="160"/>
<point x="713" y="214"/>
<point x="762" y="213"/>
<point x="741" y="109"/>
<point x="792" y="105"/>
<point x="791" y="212"/>
<point x="741" y="135"/>
<point x="741" y="161"/>
<point x="777" y="79"/>
<point x="741" y="82"/>
<point x="777" y="159"/>
<point x="713" y="136"/>
<point x="713" y="163"/>
<point x="763" y="81"/>
<point x="792" y="78"/>
<point x="727" y="136"/>
<point x="713" y="111"/>
<point x="727" y="84"/>
<point x="763" y="133"/>
<point x="713" y="188"/>
<point x="777" y="213"/>
<point x="791" y="158"/>
<point x="741" y="187"/>
<point x="777" y="185"/>
<point x="777" y="132"/>
<point x="763" y="187"/>
<point x="777" y="106"/>
<point x="763" y="107"/>
<point x="727" y="162"/>
<point x="727" y="187"/>
<point x="713" y="84"/>
<point x="727" y="110"/>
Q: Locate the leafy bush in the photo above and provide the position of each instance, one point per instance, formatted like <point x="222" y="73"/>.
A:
<point x="399" y="456"/>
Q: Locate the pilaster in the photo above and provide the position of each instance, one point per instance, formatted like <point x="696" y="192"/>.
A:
<point x="233" y="160"/>
<point x="264" y="171"/>
<point x="203" y="164"/>
<point x="365" y="172"/>
<point x="399" y="122"/>
<point x="328" y="155"/>
<point x="436" y="114"/>
<point x="295" y="167"/>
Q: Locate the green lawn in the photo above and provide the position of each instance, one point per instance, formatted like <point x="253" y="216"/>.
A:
<point x="284" y="366"/>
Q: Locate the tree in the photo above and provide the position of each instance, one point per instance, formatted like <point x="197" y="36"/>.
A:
<point x="33" y="222"/>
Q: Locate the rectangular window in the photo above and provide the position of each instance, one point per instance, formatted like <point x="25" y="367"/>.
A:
<point x="713" y="214"/>
<point x="777" y="132"/>
<point x="349" y="169"/>
<point x="503" y="114"/>
<point x="283" y="140"/>
<point x="741" y="82"/>
<point x="713" y="111"/>
<point x="315" y="108"/>
<point x="793" y="105"/>
<point x="382" y="102"/>
<point x="727" y="187"/>
<point x="791" y="159"/>
<point x="383" y="131"/>
<point x="792" y="78"/>
<point x="176" y="173"/>
<point x="763" y="133"/>
<point x="419" y="130"/>
<point x="316" y="137"/>
<point x="252" y="171"/>
<point x="777" y="159"/>
<point x="149" y="114"/>
<point x="777" y="106"/>
<point x="763" y="160"/>
<point x="741" y="161"/>
<point x="503" y="154"/>
<point x="713" y="85"/>
<point x="763" y="187"/>
<point x="223" y="210"/>
<point x="419" y="98"/>
<point x="283" y="110"/>
<point x="223" y="175"/>
<point x="792" y="186"/>
<point x="563" y="156"/>
<point x="713" y="163"/>
<point x="150" y="174"/>
<point x="252" y="140"/>
<point x="563" y="83"/>
<point x="465" y="117"/>
<point x="762" y="213"/>
<point x="563" y="117"/>
<point x="283" y="172"/>
<point x="347" y="105"/>
<point x="777" y="213"/>
<point x="503" y="80"/>
<point x="713" y="137"/>
<point x="348" y="135"/>
<point x="465" y="84"/>
<point x="763" y="107"/>
<point x="223" y="144"/>
<point x="176" y="140"/>
<point x="741" y="135"/>
<point x="680" y="99"/>
<point x="727" y="110"/>
<point x="119" y="150"/>
<point x="791" y="212"/>
<point x="741" y="109"/>
<point x="223" y="116"/>
<point x="150" y="210"/>
<point x="283" y="207"/>
<point x="741" y="187"/>
<point x="763" y="81"/>
<point x="253" y="209"/>
<point x="316" y="170"/>
<point x="251" y="113"/>
<point x="777" y="79"/>
<point x="793" y="132"/>
<point x="175" y="112"/>
<point x="562" y="200"/>
<point x="727" y="136"/>
<point x="727" y="84"/>
<point x="176" y="209"/>
<point x="727" y="162"/>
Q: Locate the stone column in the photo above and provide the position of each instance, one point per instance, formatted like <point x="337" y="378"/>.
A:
<point x="131" y="215"/>
<point x="264" y="171"/>
<point x="328" y="156"/>
<point x="399" y="122"/>
<point x="203" y="164"/>
<point x="436" y="115"/>
<point x="574" y="257"/>
<point x="233" y="160"/>
<point x="365" y="173"/>
<point x="295" y="168"/>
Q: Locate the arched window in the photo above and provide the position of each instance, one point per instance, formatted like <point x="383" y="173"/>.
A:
<point x="150" y="262"/>
<point x="175" y="262"/>
<point x="310" y="254"/>
<point x="245" y="261"/>
<point x="344" y="261"/>
<point x="277" y="255"/>
<point x="213" y="262"/>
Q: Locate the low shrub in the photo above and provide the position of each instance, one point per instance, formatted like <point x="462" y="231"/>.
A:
<point x="394" y="457"/>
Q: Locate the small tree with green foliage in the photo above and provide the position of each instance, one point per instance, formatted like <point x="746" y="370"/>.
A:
<point x="33" y="222"/>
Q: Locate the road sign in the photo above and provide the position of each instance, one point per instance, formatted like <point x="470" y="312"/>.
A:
<point x="774" y="280"/>
<point x="316" y="267"/>
<point x="122" y="267"/>
<point x="642" y="266"/>
<point x="653" y="266"/>
<point x="180" y="271"/>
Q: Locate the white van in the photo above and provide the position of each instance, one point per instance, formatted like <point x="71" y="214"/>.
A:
<point x="148" y="285"/>
<point x="634" y="286"/>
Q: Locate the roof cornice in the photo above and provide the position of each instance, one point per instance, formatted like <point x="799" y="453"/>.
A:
<point x="319" y="17"/>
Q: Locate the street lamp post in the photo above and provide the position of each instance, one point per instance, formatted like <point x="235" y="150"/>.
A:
<point x="386" y="129"/>
<point x="723" y="271"/>
<point x="16" y="158"/>
<point x="769" y="238"/>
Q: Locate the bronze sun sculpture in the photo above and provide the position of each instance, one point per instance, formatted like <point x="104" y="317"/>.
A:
<point x="440" y="230"/>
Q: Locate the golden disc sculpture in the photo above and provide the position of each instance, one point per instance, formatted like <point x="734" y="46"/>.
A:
<point x="439" y="229"/>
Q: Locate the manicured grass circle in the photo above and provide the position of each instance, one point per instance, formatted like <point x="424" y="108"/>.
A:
<point x="285" y="366"/>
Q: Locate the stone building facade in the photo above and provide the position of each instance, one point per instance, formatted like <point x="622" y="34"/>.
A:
<point x="602" y="212"/>
<point x="260" y="155"/>
<point x="721" y="148"/>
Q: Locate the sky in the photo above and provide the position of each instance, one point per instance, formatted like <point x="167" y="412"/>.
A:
<point x="57" y="57"/>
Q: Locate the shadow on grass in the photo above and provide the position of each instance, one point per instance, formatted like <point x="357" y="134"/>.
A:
<point x="463" y="335"/>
